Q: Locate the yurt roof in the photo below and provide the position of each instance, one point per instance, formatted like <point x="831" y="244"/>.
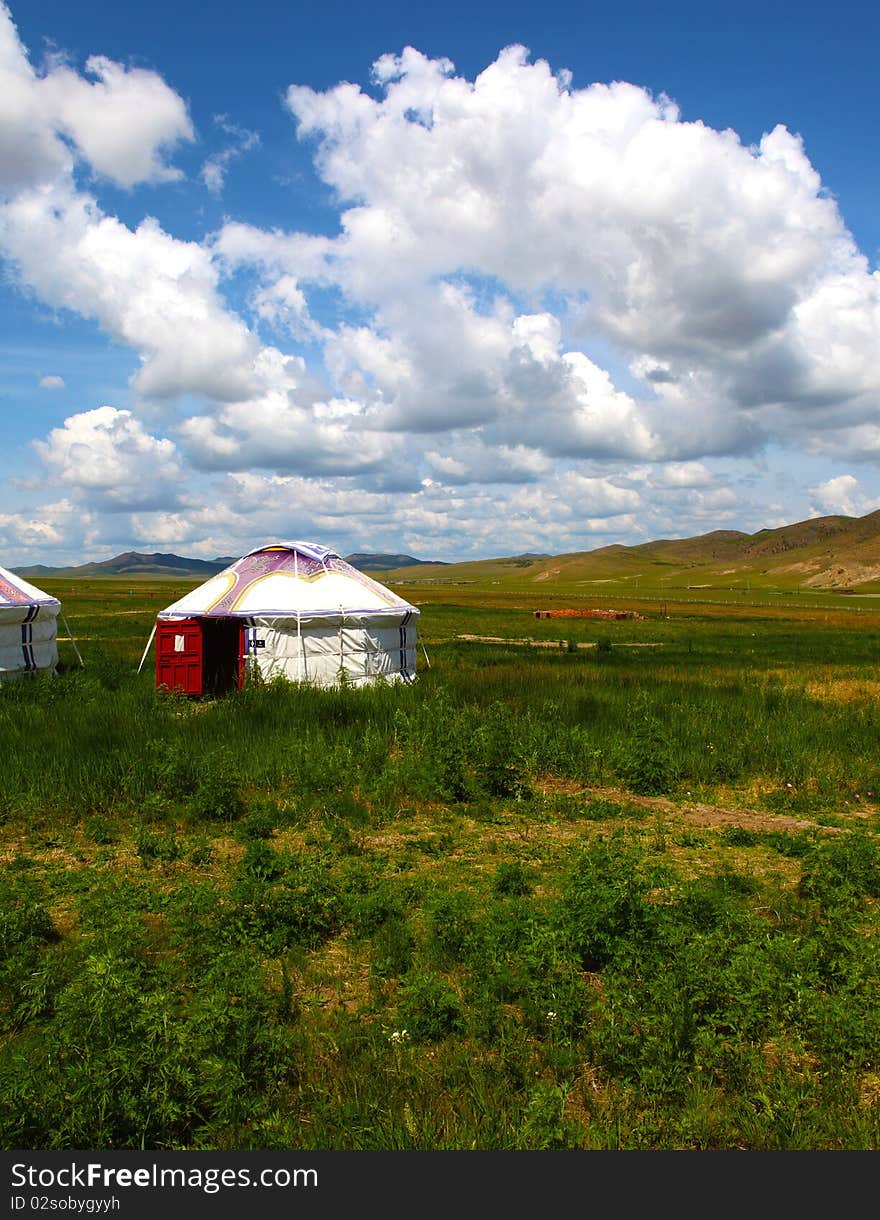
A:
<point x="287" y="580"/>
<point x="16" y="591"/>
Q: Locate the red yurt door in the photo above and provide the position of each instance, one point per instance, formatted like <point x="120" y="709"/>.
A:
<point x="179" y="653"/>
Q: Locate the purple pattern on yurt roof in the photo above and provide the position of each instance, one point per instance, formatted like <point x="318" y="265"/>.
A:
<point x="306" y="566"/>
<point x="304" y="560"/>
<point x="10" y="593"/>
<point x="337" y="564"/>
<point x="265" y="562"/>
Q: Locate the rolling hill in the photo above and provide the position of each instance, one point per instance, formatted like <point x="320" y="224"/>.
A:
<point x="824" y="553"/>
<point x="385" y="563"/>
<point x="133" y="563"/>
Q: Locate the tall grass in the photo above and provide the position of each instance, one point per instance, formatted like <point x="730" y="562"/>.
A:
<point x="103" y="739"/>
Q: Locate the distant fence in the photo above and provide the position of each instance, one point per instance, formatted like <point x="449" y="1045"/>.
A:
<point x="604" y="614"/>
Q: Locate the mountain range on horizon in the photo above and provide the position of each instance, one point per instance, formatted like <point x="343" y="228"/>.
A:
<point x="136" y="563"/>
<point x="832" y="552"/>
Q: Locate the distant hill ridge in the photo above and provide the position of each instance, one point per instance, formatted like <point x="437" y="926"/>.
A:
<point x="833" y="552"/>
<point x="385" y="563"/>
<point x="134" y="563"/>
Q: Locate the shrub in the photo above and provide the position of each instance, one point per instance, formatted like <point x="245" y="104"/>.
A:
<point x="260" y="824"/>
<point x="167" y="767"/>
<point x="603" y="902"/>
<point x="216" y="799"/>
<point x="738" y="836"/>
<point x="792" y="845"/>
<point x="646" y="761"/>
<point x="153" y="846"/>
<point x="429" y="1009"/>
<point x="23" y="917"/>
<point x="367" y="912"/>
<point x="511" y="879"/>
<point x="443" y="751"/>
<point x="391" y="953"/>
<point x="554" y="1001"/>
<point x="843" y="868"/>
<point x="545" y="1125"/>
<point x="101" y="830"/>
<point x="599" y="809"/>
<point x="25" y="930"/>
<point x="125" y="1062"/>
<point x="261" y="861"/>
<point x="303" y="908"/>
<point x="496" y="753"/>
<point x="452" y="926"/>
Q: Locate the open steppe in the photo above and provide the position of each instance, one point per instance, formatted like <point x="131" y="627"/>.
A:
<point x="548" y="896"/>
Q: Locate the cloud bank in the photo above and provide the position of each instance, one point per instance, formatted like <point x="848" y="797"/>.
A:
<point x="545" y="313"/>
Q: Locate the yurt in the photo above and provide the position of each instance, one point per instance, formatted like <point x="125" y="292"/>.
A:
<point x="296" y="610"/>
<point x="28" y="627"/>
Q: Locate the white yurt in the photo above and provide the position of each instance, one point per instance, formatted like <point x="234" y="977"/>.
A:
<point x="28" y="627"/>
<point x="293" y="610"/>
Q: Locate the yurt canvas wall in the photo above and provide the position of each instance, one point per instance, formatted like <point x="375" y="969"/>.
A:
<point x="28" y="627"/>
<point x="298" y="611"/>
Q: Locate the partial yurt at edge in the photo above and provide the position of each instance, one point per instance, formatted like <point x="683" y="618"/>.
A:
<point x="298" y="611"/>
<point x="28" y="627"/>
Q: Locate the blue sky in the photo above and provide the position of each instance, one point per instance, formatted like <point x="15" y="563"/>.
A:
<point x="376" y="278"/>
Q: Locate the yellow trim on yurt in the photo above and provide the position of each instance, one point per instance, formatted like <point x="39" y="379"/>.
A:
<point x="231" y="577"/>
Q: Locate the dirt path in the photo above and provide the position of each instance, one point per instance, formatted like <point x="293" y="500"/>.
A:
<point x="498" y="639"/>
<point x="697" y="812"/>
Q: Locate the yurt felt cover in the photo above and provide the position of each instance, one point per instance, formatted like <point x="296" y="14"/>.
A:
<point x="310" y="615"/>
<point x="28" y="627"/>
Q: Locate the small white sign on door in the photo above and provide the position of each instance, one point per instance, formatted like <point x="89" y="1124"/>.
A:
<point x="180" y="643"/>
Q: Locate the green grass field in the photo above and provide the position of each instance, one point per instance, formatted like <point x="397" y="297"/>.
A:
<point x="603" y="885"/>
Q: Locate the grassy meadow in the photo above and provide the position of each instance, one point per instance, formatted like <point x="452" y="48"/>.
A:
<point x="589" y="885"/>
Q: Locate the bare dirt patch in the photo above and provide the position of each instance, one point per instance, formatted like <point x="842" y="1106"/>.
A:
<point x="341" y="978"/>
<point x="697" y="812"/>
<point x="807" y="565"/>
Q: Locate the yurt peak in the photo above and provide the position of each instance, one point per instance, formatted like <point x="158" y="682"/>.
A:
<point x="310" y="550"/>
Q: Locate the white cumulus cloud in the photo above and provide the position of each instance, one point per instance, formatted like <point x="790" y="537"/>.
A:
<point x="842" y="495"/>
<point x="106" y="455"/>
<point x="722" y="273"/>
<point x="121" y="121"/>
